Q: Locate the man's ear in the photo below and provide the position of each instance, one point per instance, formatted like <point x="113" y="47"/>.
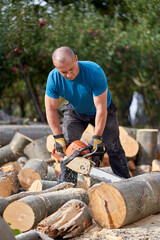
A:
<point x="76" y="58"/>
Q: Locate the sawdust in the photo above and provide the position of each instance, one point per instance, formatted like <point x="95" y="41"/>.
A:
<point x="145" y="229"/>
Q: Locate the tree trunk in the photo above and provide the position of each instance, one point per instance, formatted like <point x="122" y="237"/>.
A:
<point x="34" y="169"/>
<point x="147" y="139"/>
<point x="5" y="231"/>
<point x="5" y="186"/>
<point x="69" y="221"/>
<point x="121" y="203"/>
<point x="3" y="204"/>
<point x="7" y="132"/>
<point x="37" y="149"/>
<point x="31" y="210"/>
<point x="14" y="149"/>
<point x="40" y="185"/>
<point x="58" y="187"/>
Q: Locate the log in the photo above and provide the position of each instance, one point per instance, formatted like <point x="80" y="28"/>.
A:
<point x="20" y="195"/>
<point x="14" y="149"/>
<point x="22" y="161"/>
<point x="129" y="144"/>
<point x="33" y="235"/>
<point x="5" y="186"/>
<point x="3" y="204"/>
<point x="131" y="131"/>
<point x="34" y="169"/>
<point x="69" y="221"/>
<point x="121" y="203"/>
<point x="141" y="170"/>
<point x="155" y="165"/>
<point x="37" y="149"/>
<point x="31" y="210"/>
<point x="147" y="139"/>
<point x="40" y="185"/>
<point x="50" y="142"/>
<point x="35" y="131"/>
<point x="11" y="170"/>
<point x="51" y="174"/>
<point x="5" y="231"/>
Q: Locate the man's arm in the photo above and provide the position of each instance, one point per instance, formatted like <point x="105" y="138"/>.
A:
<point x="101" y="113"/>
<point x="51" y="106"/>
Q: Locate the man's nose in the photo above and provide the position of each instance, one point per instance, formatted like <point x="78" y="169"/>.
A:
<point x="69" y="74"/>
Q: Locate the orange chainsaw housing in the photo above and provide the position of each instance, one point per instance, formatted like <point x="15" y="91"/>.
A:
<point x="76" y="145"/>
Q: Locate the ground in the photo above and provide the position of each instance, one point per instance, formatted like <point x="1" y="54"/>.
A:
<point x="145" y="229"/>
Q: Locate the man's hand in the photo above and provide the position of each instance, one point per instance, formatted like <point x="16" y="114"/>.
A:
<point x="95" y="142"/>
<point x="60" y="144"/>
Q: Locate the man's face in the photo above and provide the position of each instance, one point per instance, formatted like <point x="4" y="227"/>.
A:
<point x="69" y="69"/>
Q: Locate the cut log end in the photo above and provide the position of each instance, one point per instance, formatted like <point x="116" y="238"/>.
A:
<point x="110" y="211"/>
<point x="27" y="177"/>
<point x="19" y="215"/>
<point x="5" y="186"/>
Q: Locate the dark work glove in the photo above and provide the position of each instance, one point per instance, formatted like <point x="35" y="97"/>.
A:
<point x="60" y="144"/>
<point x="95" y="142"/>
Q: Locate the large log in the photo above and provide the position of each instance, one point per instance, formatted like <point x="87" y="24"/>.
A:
<point x="14" y="149"/>
<point x="32" y="131"/>
<point x="121" y="203"/>
<point x="37" y="149"/>
<point x="34" y="169"/>
<point x="5" y="186"/>
<point x="129" y="144"/>
<point x="40" y="185"/>
<point x="20" y="195"/>
<point x="68" y="221"/>
<point x="5" y="231"/>
<point x="3" y="204"/>
<point x="147" y="139"/>
<point x="31" y="210"/>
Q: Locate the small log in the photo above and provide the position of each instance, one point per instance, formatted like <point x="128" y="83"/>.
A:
<point x="11" y="170"/>
<point x="51" y="174"/>
<point x="155" y="165"/>
<point x="141" y="170"/>
<point x="37" y="149"/>
<point x="147" y="139"/>
<point x="124" y="202"/>
<point x="131" y="131"/>
<point x="20" y="195"/>
<point x="31" y="210"/>
<point x="14" y="149"/>
<point x="40" y="185"/>
<point x="69" y="221"/>
<point x="34" y="169"/>
<point x="50" y="142"/>
<point x="5" y="186"/>
<point x="35" y="131"/>
<point x="5" y="231"/>
<point x="129" y="144"/>
<point x="3" y="204"/>
<point x="22" y="161"/>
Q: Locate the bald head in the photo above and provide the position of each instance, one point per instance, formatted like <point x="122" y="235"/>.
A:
<point x="62" y="54"/>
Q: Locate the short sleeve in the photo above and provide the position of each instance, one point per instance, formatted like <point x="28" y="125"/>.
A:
<point x="51" y="87"/>
<point x="100" y="83"/>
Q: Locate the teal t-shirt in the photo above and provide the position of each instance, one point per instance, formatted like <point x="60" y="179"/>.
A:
<point x="91" y="81"/>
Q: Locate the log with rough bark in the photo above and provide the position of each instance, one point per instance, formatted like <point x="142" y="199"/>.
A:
<point x="5" y="186"/>
<point x="129" y="144"/>
<point x="3" y="204"/>
<point x="51" y="174"/>
<point x="155" y="165"/>
<point x="35" y="131"/>
<point x="68" y="221"/>
<point x="11" y="170"/>
<point x="20" y="195"/>
<point x="33" y="235"/>
<point x="22" y="161"/>
<point x="34" y="169"/>
<point x="31" y="210"/>
<point x="40" y="185"/>
<point x="121" y="203"/>
<point x="14" y="149"/>
<point x="147" y="139"/>
<point x="5" y="231"/>
<point x="37" y="149"/>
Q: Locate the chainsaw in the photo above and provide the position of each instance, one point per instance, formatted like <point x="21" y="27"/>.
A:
<point x="78" y="157"/>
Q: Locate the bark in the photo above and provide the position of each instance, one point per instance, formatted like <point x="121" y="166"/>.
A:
<point x="40" y="185"/>
<point x="34" y="169"/>
<point x="147" y="139"/>
<point x="31" y="210"/>
<point x="51" y="174"/>
<point x="5" y="186"/>
<point x="121" y="203"/>
<point x="3" y="204"/>
<point x="69" y="221"/>
<point x="5" y="231"/>
<point x="20" y="195"/>
<point x="32" y="235"/>
<point x="37" y="149"/>
<point x="7" y="132"/>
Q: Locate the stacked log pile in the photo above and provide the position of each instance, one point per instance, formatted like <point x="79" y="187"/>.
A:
<point x="32" y="201"/>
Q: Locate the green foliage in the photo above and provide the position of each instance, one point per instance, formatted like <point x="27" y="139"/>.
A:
<point x="15" y="231"/>
<point x="123" y="38"/>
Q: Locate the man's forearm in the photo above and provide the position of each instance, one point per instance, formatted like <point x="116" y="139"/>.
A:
<point x="53" y="121"/>
<point x="100" y="121"/>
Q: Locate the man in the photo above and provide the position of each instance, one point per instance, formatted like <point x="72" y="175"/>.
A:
<point x="84" y="85"/>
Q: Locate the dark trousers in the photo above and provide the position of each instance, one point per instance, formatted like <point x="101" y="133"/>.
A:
<point x="74" y="124"/>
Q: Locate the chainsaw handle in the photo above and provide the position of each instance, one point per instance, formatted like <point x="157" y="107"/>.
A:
<point x="56" y="156"/>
